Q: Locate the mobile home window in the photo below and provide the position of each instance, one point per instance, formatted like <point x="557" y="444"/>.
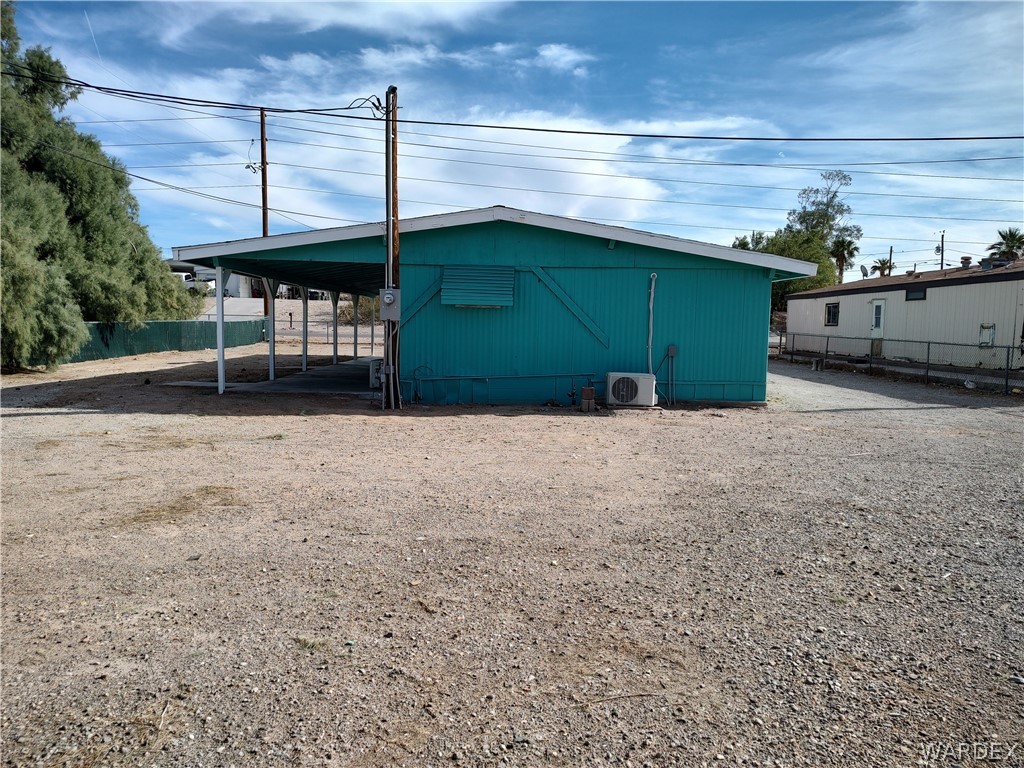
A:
<point x="916" y="294"/>
<point x="832" y="314"/>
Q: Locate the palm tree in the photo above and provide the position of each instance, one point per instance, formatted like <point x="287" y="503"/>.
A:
<point x="882" y="266"/>
<point x="843" y="250"/>
<point x="1010" y="245"/>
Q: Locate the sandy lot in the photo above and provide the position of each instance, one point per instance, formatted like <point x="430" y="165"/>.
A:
<point x="201" y="580"/>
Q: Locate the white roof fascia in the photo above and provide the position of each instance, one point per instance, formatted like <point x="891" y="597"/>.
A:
<point x="499" y="213"/>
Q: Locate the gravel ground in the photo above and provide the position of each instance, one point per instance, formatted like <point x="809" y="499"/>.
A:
<point x="201" y="580"/>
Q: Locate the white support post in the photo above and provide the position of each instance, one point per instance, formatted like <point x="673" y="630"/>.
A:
<point x="221" y="280"/>
<point x="355" y="326"/>
<point x="270" y="287"/>
<point x="304" y="293"/>
<point x="334" y="319"/>
<point x="373" y="327"/>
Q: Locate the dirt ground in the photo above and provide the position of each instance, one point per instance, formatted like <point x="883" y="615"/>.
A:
<point x="286" y="580"/>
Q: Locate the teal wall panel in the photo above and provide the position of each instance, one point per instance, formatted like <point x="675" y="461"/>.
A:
<point x="542" y="347"/>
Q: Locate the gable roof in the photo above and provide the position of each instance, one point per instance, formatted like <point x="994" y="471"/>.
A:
<point x="784" y="268"/>
<point x="933" y="278"/>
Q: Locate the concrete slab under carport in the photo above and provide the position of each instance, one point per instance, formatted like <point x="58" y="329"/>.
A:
<point x="350" y="378"/>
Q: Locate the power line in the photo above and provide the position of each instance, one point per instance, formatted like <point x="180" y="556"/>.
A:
<point x="646" y="178"/>
<point x="187" y="104"/>
<point x="450" y="182"/>
<point x="150" y="119"/>
<point x="652" y="159"/>
<point x="613" y="155"/>
<point x="374" y="104"/>
<point x="187" y="190"/>
<point x="286" y="213"/>
<point x="692" y="137"/>
<point x="624" y="157"/>
<point x="175" y="143"/>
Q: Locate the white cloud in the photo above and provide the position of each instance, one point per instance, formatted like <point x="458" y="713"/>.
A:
<point x="911" y="59"/>
<point x="559" y="58"/>
<point x="179" y="22"/>
<point x="563" y="58"/>
<point x="961" y="61"/>
<point x="400" y="58"/>
<point x="181" y="25"/>
<point x="411" y="20"/>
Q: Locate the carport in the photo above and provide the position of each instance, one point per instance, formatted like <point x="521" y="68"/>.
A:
<point x="314" y="260"/>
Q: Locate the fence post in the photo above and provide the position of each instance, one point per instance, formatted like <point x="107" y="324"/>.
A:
<point x="1006" y="379"/>
<point x="824" y="357"/>
<point x="927" y="360"/>
<point x="792" y="347"/>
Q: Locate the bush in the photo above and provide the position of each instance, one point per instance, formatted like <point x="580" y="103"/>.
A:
<point x="365" y="305"/>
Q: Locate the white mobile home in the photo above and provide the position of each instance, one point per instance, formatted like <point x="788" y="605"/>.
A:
<point x="969" y="316"/>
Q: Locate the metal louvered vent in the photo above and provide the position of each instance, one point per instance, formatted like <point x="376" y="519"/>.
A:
<point x="477" y="286"/>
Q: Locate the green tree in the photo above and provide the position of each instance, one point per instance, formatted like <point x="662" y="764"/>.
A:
<point x="793" y="244"/>
<point x="824" y="212"/>
<point x="72" y="248"/>
<point x="882" y="267"/>
<point x="1010" y="244"/>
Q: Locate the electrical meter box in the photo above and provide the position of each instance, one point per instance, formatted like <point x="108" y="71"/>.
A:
<point x="390" y="305"/>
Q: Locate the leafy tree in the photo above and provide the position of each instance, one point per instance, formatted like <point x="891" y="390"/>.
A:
<point x="1010" y="244"/>
<point x="824" y="212"/>
<point x="883" y="267"/>
<point x="794" y="244"/>
<point x="72" y="248"/>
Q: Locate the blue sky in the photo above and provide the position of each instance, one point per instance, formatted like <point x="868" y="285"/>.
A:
<point x="781" y="70"/>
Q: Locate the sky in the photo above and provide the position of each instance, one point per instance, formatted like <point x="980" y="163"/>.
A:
<point x="783" y="71"/>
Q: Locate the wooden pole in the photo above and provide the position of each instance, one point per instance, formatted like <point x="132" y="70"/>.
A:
<point x="392" y="390"/>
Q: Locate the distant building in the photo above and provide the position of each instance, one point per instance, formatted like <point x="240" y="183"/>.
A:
<point x="975" y="312"/>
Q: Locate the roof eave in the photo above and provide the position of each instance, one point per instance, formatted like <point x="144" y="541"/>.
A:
<point x="785" y="268"/>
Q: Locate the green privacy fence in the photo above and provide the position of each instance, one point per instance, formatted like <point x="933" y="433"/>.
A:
<point x="108" y="340"/>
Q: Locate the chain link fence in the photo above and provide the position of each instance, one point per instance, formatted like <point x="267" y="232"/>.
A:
<point x="999" y="368"/>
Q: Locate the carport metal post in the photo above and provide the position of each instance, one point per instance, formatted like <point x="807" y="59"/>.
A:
<point x="334" y="320"/>
<point x="355" y="326"/>
<point x="222" y="276"/>
<point x="270" y="289"/>
<point x="304" y="293"/>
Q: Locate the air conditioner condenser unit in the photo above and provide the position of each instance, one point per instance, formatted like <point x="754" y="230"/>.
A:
<point x="631" y="389"/>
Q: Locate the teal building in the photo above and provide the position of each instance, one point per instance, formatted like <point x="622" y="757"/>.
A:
<point x="500" y="305"/>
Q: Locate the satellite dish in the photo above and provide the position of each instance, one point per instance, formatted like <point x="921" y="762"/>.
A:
<point x="863" y="271"/>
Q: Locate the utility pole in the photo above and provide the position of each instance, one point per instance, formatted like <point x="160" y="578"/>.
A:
<point x="940" y="250"/>
<point x="266" y="207"/>
<point x="887" y="274"/>
<point x="390" y="308"/>
<point x="263" y="170"/>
